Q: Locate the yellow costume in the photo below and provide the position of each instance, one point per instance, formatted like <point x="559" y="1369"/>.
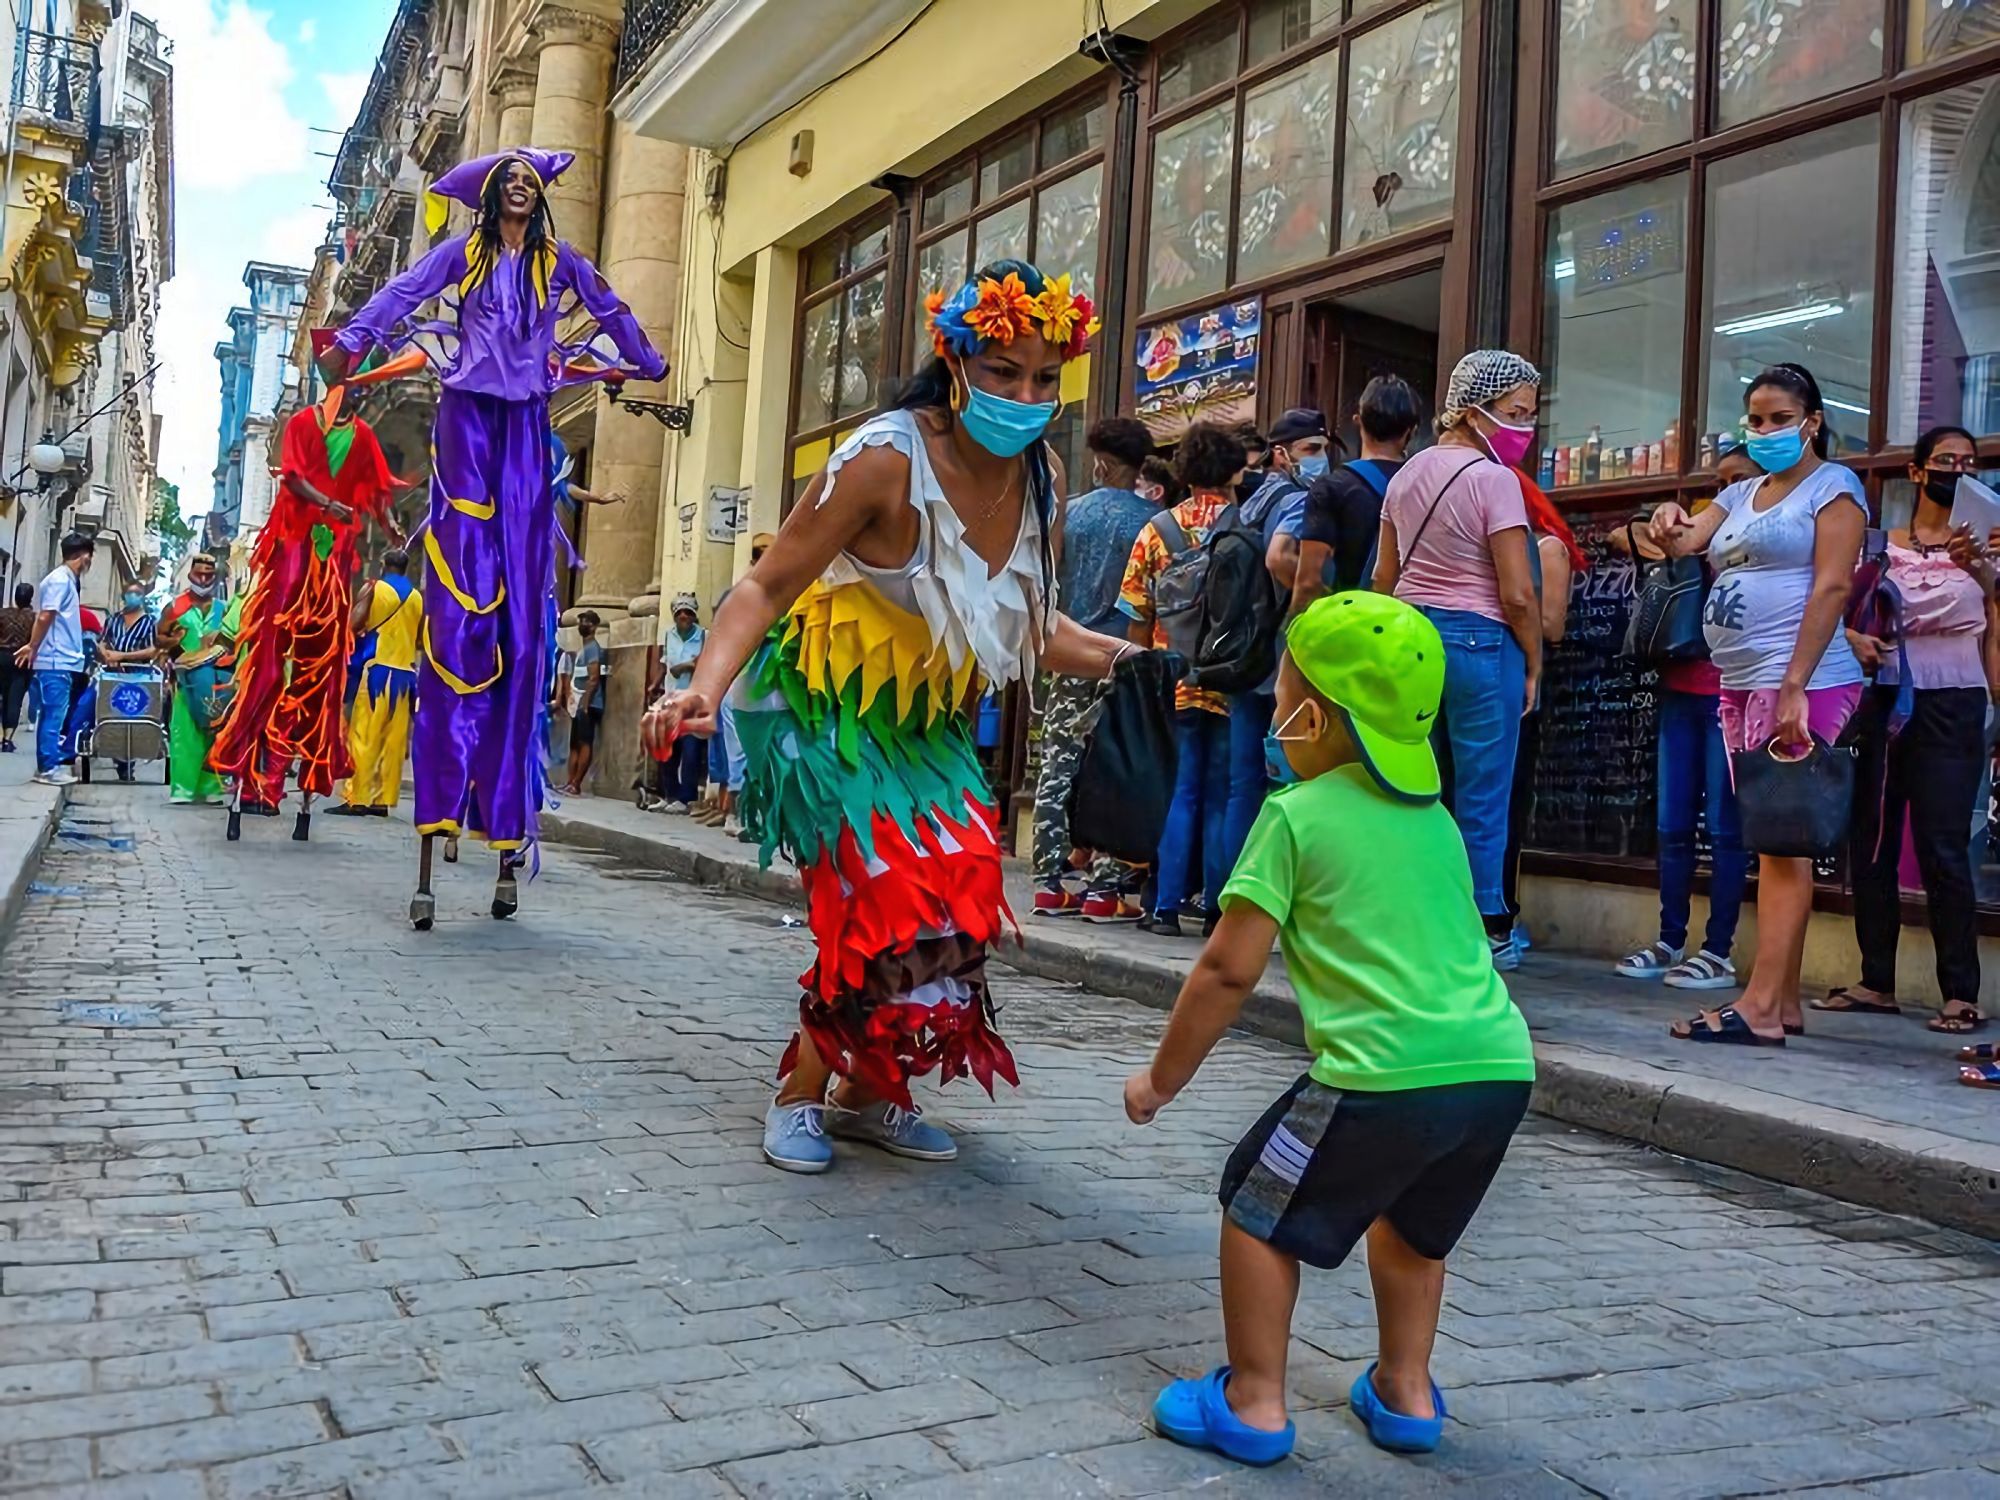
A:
<point x="385" y="687"/>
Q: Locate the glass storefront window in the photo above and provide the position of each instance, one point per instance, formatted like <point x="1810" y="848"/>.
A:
<point x="1773" y="54"/>
<point x="1002" y="235"/>
<point x="819" y="338"/>
<point x="940" y="268"/>
<point x="1066" y="229"/>
<point x="1402" y="124"/>
<point x="1197" y="63"/>
<point x="1006" y="166"/>
<point x="1944" y="341"/>
<point x="1941" y="27"/>
<point x="1187" y="249"/>
<point x="1624" y="81"/>
<point x="868" y="244"/>
<point x="1615" y="294"/>
<point x="1283" y="217"/>
<point x="950" y="197"/>
<point x="1277" y="26"/>
<point x="861" y="346"/>
<point x="1790" y="258"/>
<point x="1071" y="132"/>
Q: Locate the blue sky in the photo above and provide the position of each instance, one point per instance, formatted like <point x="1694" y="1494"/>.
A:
<point x="256" y="89"/>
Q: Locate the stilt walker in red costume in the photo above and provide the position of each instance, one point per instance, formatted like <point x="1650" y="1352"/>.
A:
<point x="296" y="635"/>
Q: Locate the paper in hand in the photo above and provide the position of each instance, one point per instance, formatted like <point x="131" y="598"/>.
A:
<point x="1975" y="505"/>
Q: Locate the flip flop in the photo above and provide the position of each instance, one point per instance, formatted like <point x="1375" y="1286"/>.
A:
<point x="1964" y="1023"/>
<point x="1982" y="1076"/>
<point x="1733" y="1031"/>
<point x="1845" y="1000"/>
<point x="1391" y="1430"/>
<point x="1980" y="1052"/>
<point x="1196" y="1414"/>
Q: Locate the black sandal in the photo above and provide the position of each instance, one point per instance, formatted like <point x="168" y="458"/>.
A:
<point x="1730" y="1030"/>
<point x="1845" y="1001"/>
<point x="1962" y="1022"/>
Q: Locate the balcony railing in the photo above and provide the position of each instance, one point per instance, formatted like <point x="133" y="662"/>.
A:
<point x="647" y="24"/>
<point x="56" y="77"/>
<point x="110" y="262"/>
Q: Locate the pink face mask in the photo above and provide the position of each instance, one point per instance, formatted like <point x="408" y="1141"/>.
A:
<point x="1507" y="443"/>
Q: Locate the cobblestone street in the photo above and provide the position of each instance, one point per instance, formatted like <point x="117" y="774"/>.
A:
<point x="297" y="1202"/>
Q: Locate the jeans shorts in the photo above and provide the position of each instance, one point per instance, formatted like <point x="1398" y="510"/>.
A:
<point x="1323" y="1164"/>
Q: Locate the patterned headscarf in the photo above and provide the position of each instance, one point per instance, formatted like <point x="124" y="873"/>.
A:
<point x="685" y="602"/>
<point x="1483" y="376"/>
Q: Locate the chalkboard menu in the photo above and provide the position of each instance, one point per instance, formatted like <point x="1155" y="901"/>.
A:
<point x="1597" y="781"/>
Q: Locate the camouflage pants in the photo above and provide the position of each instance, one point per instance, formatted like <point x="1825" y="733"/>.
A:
<point x="1068" y="700"/>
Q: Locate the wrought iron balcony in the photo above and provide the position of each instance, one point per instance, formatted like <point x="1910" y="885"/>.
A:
<point x="647" y="24"/>
<point x="56" y="77"/>
<point x="101" y="240"/>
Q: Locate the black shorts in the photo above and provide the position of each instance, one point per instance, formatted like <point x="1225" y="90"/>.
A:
<point x="1323" y="1164"/>
<point x="583" y="726"/>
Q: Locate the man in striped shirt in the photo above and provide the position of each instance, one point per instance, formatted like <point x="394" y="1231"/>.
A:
<point x="128" y="643"/>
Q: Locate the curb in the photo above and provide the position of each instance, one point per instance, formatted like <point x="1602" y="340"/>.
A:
<point x="17" y="876"/>
<point x="1895" y="1168"/>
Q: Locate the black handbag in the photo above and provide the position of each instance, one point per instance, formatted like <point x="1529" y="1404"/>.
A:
<point x="1665" y="625"/>
<point x="1795" y="807"/>
<point x="1125" y="779"/>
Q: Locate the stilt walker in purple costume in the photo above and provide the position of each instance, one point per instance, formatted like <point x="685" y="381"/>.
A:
<point x="490" y="539"/>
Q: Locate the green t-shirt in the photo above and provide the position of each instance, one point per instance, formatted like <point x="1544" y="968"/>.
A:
<point x="1373" y="899"/>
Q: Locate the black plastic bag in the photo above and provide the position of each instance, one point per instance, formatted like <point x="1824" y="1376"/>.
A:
<point x="1795" y="808"/>
<point x="1125" y="779"/>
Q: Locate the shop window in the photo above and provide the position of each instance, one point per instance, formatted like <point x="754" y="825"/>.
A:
<point x="941" y="267"/>
<point x="1070" y="132"/>
<point x="1944" y="348"/>
<point x="1283" y="217"/>
<point x="819" y="353"/>
<point x="1624" y="81"/>
<point x="1790" y="258"/>
<point x="1941" y="27"/>
<point x="949" y="197"/>
<point x="1277" y="26"/>
<point x="1197" y="63"/>
<point x="1615" y="294"/>
<point x="1772" y="54"/>
<point x="1066" y="229"/>
<point x="1402" y="124"/>
<point x="841" y="351"/>
<point x="861" y="347"/>
<point x="1188" y="239"/>
<point x="1006" y="166"/>
<point x="1002" y="235"/>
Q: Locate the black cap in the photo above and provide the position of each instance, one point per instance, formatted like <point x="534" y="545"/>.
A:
<point x="1298" y="423"/>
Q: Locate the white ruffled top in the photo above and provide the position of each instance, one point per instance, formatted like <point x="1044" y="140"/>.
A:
<point x="992" y="618"/>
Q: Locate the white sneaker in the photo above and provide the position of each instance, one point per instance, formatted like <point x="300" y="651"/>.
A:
<point x="1705" y="971"/>
<point x="60" y="776"/>
<point x="1651" y="962"/>
<point x="1506" y="954"/>
<point x="675" y="809"/>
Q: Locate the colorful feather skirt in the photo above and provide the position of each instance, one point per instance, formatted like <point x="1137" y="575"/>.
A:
<point x="861" y="769"/>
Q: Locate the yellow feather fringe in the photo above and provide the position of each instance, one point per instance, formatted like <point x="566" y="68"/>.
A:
<point x="852" y="629"/>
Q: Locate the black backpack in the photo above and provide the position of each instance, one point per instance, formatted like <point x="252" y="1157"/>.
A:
<point x="1124" y="780"/>
<point x="1218" y="603"/>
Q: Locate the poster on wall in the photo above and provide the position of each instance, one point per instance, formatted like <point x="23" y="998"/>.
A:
<point x="1201" y="368"/>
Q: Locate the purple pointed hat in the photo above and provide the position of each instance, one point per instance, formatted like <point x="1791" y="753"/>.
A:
<point x="466" y="182"/>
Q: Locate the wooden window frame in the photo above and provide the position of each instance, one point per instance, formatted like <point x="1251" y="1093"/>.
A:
<point x="1883" y="98"/>
<point x="1338" y="263"/>
<point x="835" y="291"/>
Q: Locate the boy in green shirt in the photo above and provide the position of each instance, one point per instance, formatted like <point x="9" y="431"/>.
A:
<point x="1421" y="1064"/>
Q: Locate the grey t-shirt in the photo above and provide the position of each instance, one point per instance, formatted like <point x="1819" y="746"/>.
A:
<point x="1763" y="565"/>
<point x="591" y="653"/>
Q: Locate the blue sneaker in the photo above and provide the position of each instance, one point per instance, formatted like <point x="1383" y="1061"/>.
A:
<point x="795" y="1138"/>
<point x="1196" y="1414"/>
<point x="902" y="1132"/>
<point x="1391" y="1430"/>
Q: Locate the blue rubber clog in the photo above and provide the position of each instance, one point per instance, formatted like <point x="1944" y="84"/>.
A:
<point x="1392" y="1430"/>
<point x="1195" y="1413"/>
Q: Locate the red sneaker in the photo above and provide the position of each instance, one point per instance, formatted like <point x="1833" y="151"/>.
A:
<point x="1109" y="907"/>
<point x="1056" y="901"/>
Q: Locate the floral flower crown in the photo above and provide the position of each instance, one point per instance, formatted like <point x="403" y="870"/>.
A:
<point x="985" y="310"/>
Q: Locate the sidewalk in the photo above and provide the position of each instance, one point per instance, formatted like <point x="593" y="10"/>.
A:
<point x="1866" y="1109"/>
<point x="28" y="815"/>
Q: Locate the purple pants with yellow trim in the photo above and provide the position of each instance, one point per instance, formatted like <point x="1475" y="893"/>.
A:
<point x="488" y="551"/>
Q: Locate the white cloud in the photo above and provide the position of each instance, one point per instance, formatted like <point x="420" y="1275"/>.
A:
<point x="232" y="124"/>
<point x="343" y="94"/>
<point x="292" y="238"/>
<point x="193" y="320"/>
<point x="308" y="32"/>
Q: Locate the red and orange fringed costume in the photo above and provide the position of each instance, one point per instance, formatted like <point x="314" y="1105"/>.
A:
<point x="295" y="635"/>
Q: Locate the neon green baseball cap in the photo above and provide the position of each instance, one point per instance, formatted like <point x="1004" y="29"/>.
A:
<point x="1382" y="663"/>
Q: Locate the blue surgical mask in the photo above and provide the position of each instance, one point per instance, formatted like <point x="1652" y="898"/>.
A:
<point x="133" y="601"/>
<point x="1775" y="452"/>
<point x="1002" y="427"/>
<point x="1312" y="467"/>
<point x="1278" y="765"/>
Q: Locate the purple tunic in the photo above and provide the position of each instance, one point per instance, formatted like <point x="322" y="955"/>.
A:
<point x="488" y="545"/>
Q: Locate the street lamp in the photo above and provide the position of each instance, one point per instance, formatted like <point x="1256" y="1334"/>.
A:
<point x="47" y="458"/>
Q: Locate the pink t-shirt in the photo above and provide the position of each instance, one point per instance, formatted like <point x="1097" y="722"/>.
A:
<point x="1944" y="617"/>
<point x="1450" y="566"/>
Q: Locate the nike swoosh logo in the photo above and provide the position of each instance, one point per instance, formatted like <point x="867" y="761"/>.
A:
<point x="1426" y="714"/>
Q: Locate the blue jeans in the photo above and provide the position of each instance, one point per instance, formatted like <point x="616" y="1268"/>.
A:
<point x="1249" y="779"/>
<point x="1200" y="810"/>
<point x="1485" y="688"/>
<point x="52" y="695"/>
<point x="1694" y="775"/>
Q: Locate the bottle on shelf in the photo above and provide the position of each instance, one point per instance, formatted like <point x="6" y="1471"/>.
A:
<point x="1593" y="456"/>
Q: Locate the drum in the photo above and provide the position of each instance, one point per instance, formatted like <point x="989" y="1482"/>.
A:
<point x="207" y="688"/>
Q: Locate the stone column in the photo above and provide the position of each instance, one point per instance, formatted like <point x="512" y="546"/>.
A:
<point x="514" y="97"/>
<point x="644" y="193"/>
<point x="572" y="85"/>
